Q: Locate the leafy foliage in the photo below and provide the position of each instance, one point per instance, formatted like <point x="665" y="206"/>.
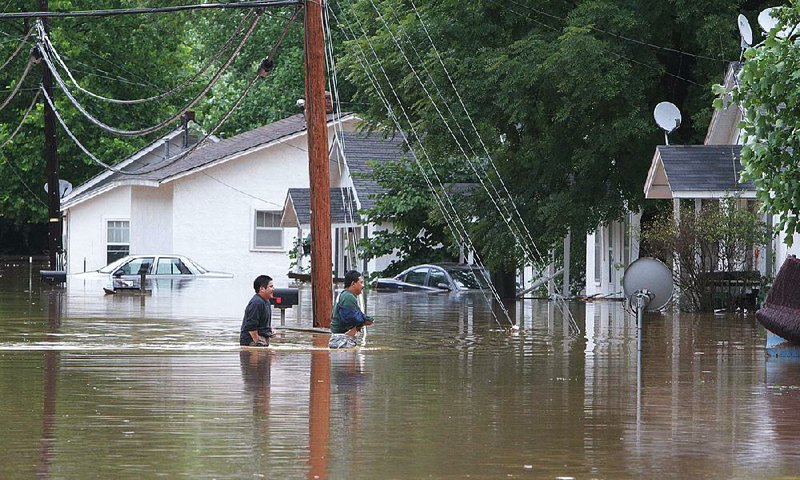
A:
<point x="719" y="238"/>
<point x="130" y="57"/>
<point x="770" y="101"/>
<point x="561" y="96"/>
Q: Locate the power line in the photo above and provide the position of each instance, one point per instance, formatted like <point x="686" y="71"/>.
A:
<point x="140" y="11"/>
<point x="160" y="96"/>
<point x="621" y="37"/>
<point x="130" y="133"/>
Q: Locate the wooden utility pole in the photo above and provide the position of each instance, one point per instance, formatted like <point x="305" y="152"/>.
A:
<point x="318" y="169"/>
<point x="54" y="232"/>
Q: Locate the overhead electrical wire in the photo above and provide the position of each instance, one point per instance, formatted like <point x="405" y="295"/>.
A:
<point x="516" y="215"/>
<point x="22" y="44"/>
<point x="606" y="32"/>
<point x="163" y="124"/>
<point x="163" y="95"/>
<point x="140" y="11"/>
<point x="501" y="200"/>
<point x="450" y="215"/>
<point x="496" y="197"/>
<point x="338" y="131"/>
<point x="261" y="74"/>
<point x="10" y="162"/>
<point x="18" y="85"/>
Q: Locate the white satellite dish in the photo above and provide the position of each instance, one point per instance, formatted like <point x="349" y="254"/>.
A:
<point x="668" y="117"/>
<point x="651" y="275"/>
<point x="745" y="31"/>
<point x="64" y="188"/>
<point x="768" y="19"/>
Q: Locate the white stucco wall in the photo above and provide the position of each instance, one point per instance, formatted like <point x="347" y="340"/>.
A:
<point x="151" y="219"/>
<point x="86" y="228"/>
<point x="214" y="212"/>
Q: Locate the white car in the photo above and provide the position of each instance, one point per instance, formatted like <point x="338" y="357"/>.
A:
<point x="154" y="266"/>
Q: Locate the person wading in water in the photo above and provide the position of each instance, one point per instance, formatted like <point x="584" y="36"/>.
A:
<point x="348" y="319"/>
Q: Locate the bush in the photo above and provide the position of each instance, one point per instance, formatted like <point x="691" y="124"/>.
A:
<point x="719" y="238"/>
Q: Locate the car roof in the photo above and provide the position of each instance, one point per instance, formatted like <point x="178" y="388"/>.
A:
<point x="447" y="266"/>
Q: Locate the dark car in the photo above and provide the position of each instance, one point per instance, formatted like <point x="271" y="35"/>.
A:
<point x="454" y="277"/>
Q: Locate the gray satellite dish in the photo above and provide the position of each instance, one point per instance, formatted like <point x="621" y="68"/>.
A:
<point x="652" y="275"/>
<point x="64" y="188"/>
<point x="668" y="117"/>
<point x="768" y="19"/>
<point x="745" y="31"/>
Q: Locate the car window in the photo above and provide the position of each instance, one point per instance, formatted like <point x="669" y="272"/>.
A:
<point x="137" y="266"/>
<point x="417" y="276"/>
<point x="113" y="266"/>
<point x="470" y="278"/>
<point x="171" y="266"/>
<point x="436" y="277"/>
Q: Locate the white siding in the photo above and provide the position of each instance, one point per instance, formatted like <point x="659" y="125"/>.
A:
<point x="214" y="211"/>
<point x="151" y="219"/>
<point x="86" y="242"/>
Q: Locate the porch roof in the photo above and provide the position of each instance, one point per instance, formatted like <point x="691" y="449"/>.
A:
<point x="696" y="171"/>
<point x="297" y="208"/>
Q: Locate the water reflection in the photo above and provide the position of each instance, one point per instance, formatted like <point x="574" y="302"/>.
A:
<point x="126" y="387"/>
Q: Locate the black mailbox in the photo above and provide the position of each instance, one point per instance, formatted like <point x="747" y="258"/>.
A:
<point x="53" y="276"/>
<point x="284" y="297"/>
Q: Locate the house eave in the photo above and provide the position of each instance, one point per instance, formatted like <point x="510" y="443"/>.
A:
<point x="67" y="204"/>
<point x="258" y="148"/>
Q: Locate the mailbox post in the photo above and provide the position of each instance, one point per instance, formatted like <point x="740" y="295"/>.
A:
<point x="283" y="298"/>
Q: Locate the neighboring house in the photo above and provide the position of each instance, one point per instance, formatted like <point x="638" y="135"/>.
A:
<point x="609" y="250"/>
<point x="221" y="205"/>
<point x="694" y="173"/>
<point x="352" y="192"/>
<point x="711" y="172"/>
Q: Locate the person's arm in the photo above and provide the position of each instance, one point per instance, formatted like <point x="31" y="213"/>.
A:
<point x="251" y="321"/>
<point x="350" y="313"/>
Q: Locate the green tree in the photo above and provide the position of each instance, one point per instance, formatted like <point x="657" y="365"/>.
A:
<point x="130" y="57"/>
<point x="769" y="97"/>
<point x="562" y="94"/>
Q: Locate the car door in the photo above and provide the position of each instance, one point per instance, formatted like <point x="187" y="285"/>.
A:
<point x="135" y="267"/>
<point x="416" y="279"/>
<point x="438" y="279"/>
<point x="171" y="267"/>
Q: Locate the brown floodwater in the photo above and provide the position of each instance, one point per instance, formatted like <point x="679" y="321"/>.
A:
<point x="96" y="386"/>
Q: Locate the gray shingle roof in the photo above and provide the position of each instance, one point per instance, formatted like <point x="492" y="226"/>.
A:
<point x="362" y="148"/>
<point x="703" y="168"/>
<point x="224" y="148"/>
<point x="204" y="155"/>
<point x="301" y="199"/>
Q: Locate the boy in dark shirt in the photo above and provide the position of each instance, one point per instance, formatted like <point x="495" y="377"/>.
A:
<point x="257" y="323"/>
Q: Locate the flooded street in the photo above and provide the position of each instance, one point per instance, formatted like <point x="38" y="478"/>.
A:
<point x="96" y="386"/>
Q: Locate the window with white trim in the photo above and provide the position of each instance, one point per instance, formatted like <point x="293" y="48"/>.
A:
<point x="268" y="232"/>
<point x="118" y="239"/>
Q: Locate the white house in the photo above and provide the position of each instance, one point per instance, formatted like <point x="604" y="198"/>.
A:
<point x="221" y="205"/>
<point x="354" y="192"/>
<point x="682" y="173"/>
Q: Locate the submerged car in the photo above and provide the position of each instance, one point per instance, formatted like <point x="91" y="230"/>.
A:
<point x="454" y="277"/>
<point x="155" y="266"/>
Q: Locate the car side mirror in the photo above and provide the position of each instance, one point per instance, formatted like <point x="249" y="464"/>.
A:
<point x="443" y="286"/>
<point x="117" y="273"/>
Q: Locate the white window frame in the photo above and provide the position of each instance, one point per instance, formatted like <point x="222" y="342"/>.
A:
<point x="255" y="228"/>
<point x="107" y="224"/>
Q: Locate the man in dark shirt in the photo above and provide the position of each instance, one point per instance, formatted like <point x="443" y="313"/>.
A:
<point x="257" y="323"/>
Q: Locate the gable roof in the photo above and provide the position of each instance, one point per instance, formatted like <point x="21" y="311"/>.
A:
<point x="297" y="209"/>
<point x="164" y="170"/>
<point x="362" y="148"/>
<point x="696" y="171"/>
